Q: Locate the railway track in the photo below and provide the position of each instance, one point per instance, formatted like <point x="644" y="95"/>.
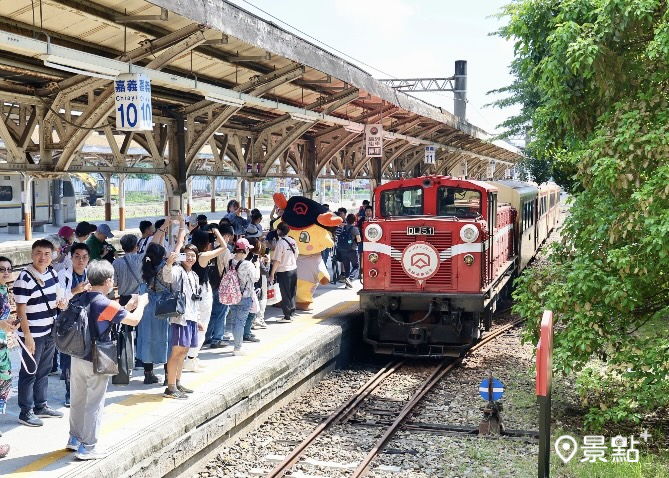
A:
<point x="344" y="413"/>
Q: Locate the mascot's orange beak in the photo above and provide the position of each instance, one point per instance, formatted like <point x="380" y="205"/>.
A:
<point x="280" y="200"/>
<point x="328" y="219"/>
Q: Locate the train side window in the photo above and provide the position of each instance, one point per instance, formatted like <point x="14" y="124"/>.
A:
<point x="68" y="189"/>
<point x="6" y="193"/>
<point x="458" y="202"/>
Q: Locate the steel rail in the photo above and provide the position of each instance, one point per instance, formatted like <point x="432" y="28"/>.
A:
<point x="425" y="387"/>
<point x="343" y="411"/>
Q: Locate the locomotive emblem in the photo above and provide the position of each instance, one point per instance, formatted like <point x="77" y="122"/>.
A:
<point x="420" y="260"/>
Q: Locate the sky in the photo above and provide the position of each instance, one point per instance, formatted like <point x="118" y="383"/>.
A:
<point x="409" y="39"/>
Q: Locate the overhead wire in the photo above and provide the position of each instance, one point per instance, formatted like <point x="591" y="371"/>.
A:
<point x="360" y="61"/>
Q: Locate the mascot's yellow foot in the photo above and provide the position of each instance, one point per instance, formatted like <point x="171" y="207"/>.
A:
<point x="304" y="305"/>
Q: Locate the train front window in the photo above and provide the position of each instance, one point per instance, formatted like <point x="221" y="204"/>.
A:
<point x="402" y="202"/>
<point x="458" y="202"/>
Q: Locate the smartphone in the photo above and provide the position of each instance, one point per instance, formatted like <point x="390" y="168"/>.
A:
<point x="193" y="219"/>
<point x="181" y="256"/>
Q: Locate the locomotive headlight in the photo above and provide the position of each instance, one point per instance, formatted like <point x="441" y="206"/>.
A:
<point x="469" y="259"/>
<point x="469" y="233"/>
<point x="373" y="257"/>
<point x="373" y="232"/>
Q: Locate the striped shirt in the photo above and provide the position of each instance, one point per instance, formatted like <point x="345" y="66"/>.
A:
<point x="27" y="291"/>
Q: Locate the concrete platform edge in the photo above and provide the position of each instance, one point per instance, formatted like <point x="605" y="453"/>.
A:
<point x="174" y="444"/>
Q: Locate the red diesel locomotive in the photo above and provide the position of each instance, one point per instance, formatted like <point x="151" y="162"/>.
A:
<point x="438" y="254"/>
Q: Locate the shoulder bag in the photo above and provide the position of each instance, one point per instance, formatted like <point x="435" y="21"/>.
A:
<point x="171" y="303"/>
<point x="105" y="354"/>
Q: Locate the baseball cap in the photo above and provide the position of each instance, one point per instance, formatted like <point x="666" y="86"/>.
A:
<point x="104" y="229"/>
<point x="65" y="232"/>
<point x="242" y="244"/>
<point x="84" y="228"/>
<point x="252" y="231"/>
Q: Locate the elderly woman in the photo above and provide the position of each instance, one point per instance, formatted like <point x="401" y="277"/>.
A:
<point x="88" y="388"/>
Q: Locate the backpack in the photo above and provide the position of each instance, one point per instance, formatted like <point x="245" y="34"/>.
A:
<point x="229" y="291"/>
<point x="346" y="241"/>
<point x="71" y="329"/>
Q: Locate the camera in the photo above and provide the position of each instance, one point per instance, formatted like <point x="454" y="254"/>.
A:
<point x="195" y="297"/>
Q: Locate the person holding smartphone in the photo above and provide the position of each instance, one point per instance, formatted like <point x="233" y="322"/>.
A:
<point x="239" y="224"/>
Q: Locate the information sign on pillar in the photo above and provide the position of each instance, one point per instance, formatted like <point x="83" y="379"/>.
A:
<point x="132" y="94"/>
<point x="374" y="140"/>
<point x="430" y="154"/>
<point x="491" y="168"/>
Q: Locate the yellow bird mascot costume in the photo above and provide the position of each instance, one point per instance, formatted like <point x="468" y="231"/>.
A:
<point x="309" y="224"/>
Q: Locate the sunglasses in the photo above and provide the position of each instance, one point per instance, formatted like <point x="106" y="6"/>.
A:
<point x="5" y="269"/>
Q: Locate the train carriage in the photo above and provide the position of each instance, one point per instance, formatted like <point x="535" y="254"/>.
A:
<point x="437" y="256"/>
<point x="12" y="199"/>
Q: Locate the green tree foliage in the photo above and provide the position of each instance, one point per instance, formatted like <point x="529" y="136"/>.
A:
<point x="600" y="68"/>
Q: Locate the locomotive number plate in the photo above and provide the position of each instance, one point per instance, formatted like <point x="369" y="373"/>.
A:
<point x="420" y="231"/>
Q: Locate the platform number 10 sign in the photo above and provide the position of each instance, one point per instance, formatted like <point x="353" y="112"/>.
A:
<point x="132" y="93"/>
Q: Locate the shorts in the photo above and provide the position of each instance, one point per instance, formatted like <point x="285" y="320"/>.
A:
<point x="184" y="335"/>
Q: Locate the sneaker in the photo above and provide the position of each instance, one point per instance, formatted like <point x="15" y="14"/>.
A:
<point x="67" y="402"/>
<point x="348" y="283"/>
<point x="73" y="444"/>
<point x="189" y="366"/>
<point x="48" y="412"/>
<point x="54" y="371"/>
<point x="29" y="419"/>
<point x="4" y="450"/>
<point x="206" y="342"/>
<point x="199" y="364"/>
<point x="183" y="389"/>
<point x="176" y="394"/>
<point x="150" y="378"/>
<point x="251" y="338"/>
<point x="260" y="324"/>
<point x="239" y="353"/>
<point x="93" y="453"/>
<point x="286" y="320"/>
<point x="342" y="277"/>
<point x="219" y="344"/>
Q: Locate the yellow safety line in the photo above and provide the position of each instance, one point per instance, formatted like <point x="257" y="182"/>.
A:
<point x="144" y="402"/>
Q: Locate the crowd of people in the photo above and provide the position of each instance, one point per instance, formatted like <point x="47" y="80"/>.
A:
<point x="124" y="292"/>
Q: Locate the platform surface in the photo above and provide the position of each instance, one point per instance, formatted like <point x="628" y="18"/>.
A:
<point x="134" y="412"/>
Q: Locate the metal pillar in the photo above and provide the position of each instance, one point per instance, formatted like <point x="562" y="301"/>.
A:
<point x="213" y="193"/>
<point x="108" y="211"/>
<point x="189" y="196"/>
<point x="57" y="218"/>
<point x="460" y="93"/>
<point x="121" y="202"/>
<point x="240" y="191"/>
<point x="27" y="207"/>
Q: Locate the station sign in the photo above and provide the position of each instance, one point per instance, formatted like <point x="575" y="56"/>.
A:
<point x="132" y="94"/>
<point x="430" y="154"/>
<point x="374" y="140"/>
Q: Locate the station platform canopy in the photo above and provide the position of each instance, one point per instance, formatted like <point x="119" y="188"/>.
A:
<point x="232" y="94"/>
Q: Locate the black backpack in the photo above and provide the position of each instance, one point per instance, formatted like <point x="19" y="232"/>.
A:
<point x="346" y="241"/>
<point x="71" y="329"/>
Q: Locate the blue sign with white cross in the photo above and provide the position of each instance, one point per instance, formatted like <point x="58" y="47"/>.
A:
<point x="497" y="390"/>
